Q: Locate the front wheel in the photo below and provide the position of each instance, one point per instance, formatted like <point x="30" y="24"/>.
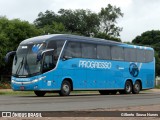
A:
<point x="65" y="88"/>
<point x="40" y="93"/>
<point x="136" y="87"/>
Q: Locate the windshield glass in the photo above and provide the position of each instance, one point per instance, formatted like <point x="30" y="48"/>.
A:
<point x="25" y="61"/>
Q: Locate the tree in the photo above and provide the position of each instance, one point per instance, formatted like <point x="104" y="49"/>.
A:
<point x="108" y="19"/>
<point x="79" y="21"/>
<point x="46" y="18"/>
<point x="151" y="38"/>
<point x="148" y="38"/>
<point x="83" y="22"/>
<point x="12" y="32"/>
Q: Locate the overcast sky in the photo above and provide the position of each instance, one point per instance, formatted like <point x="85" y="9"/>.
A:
<point x="139" y="15"/>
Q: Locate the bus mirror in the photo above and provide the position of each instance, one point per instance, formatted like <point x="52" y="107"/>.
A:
<point x="40" y="54"/>
<point x="66" y="57"/>
<point x="8" y="55"/>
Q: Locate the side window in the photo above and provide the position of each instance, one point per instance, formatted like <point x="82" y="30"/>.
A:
<point x="49" y="63"/>
<point x="73" y="49"/>
<point x="103" y="52"/>
<point x="140" y="55"/>
<point x="88" y="50"/>
<point x="130" y="55"/>
<point x="56" y="45"/>
<point x="117" y="53"/>
<point x="149" y="54"/>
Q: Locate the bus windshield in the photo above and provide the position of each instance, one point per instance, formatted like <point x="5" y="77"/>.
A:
<point x="25" y="61"/>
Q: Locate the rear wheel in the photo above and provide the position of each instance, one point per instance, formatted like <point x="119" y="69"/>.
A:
<point x="65" y="88"/>
<point x="40" y="93"/>
<point x="136" y="87"/>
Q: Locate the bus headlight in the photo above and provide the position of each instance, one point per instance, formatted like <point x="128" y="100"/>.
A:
<point x="36" y="80"/>
<point x="12" y="81"/>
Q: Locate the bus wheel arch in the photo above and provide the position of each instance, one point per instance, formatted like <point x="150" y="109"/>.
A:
<point x="66" y="87"/>
<point x="137" y="87"/>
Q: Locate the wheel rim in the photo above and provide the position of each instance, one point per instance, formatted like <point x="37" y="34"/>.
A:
<point x="128" y="88"/>
<point x="137" y="87"/>
<point x="66" y="88"/>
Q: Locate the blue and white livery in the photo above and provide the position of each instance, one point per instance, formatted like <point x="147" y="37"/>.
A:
<point x="63" y="63"/>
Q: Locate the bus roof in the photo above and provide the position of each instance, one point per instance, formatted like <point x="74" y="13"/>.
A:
<point x="47" y="38"/>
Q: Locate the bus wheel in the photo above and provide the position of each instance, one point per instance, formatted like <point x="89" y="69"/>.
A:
<point x="40" y="93"/>
<point x="65" y="88"/>
<point x="136" y="87"/>
<point x="128" y="87"/>
<point x="104" y="92"/>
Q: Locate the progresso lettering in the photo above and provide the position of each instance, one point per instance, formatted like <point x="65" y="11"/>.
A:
<point x="94" y="64"/>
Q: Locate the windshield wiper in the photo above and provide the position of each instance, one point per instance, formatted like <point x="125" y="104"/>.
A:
<point x="20" y="66"/>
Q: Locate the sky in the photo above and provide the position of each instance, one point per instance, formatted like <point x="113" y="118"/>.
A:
<point x="139" y="15"/>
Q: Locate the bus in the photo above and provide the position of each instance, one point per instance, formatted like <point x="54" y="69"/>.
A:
<point x="63" y="63"/>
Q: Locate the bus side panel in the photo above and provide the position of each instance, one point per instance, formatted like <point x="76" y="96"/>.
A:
<point x="72" y="71"/>
<point x="147" y="75"/>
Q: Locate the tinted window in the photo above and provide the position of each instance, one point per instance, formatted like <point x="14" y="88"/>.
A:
<point x="140" y="55"/>
<point x="56" y="45"/>
<point x="130" y="54"/>
<point x="49" y="63"/>
<point x="117" y="53"/>
<point x="88" y="50"/>
<point x="73" y="49"/>
<point x="149" y="55"/>
<point x="103" y="52"/>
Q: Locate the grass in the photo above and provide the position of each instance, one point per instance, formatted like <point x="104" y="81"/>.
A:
<point x="158" y="86"/>
<point x="11" y="92"/>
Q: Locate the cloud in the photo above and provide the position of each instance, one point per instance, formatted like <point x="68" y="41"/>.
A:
<point x="141" y="16"/>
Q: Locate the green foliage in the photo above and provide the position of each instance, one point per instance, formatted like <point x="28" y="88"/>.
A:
<point x="151" y="38"/>
<point x="148" y="38"/>
<point x="108" y="17"/>
<point x="82" y="22"/>
<point x="12" y="32"/>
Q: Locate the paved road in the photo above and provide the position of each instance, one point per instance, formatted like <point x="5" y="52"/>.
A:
<point x="76" y="102"/>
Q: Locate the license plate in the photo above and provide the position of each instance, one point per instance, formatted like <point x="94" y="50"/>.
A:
<point x="21" y="87"/>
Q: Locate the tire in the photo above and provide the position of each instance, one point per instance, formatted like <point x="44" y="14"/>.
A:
<point x="40" y="93"/>
<point x="104" y="92"/>
<point x="136" y="88"/>
<point x="65" y="88"/>
<point x="128" y="87"/>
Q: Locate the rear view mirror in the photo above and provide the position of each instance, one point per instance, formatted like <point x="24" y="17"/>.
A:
<point x="8" y="55"/>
